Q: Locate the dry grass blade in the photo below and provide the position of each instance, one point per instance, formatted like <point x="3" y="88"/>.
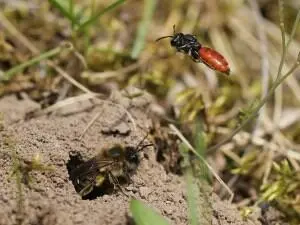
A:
<point x="92" y="121"/>
<point x="67" y="102"/>
<point x="185" y="141"/>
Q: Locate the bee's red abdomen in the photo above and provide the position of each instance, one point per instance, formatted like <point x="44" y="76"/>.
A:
<point x="214" y="60"/>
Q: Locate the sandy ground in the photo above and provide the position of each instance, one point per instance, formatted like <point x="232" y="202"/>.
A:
<point x="51" y="197"/>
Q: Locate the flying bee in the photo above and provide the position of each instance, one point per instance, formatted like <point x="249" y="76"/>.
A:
<point x="188" y="44"/>
<point x="107" y="167"/>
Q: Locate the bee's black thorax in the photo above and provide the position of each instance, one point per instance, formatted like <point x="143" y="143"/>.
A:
<point x="187" y="44"/>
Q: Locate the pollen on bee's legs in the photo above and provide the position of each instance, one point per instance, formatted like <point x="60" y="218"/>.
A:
<point x="99" y="180"/>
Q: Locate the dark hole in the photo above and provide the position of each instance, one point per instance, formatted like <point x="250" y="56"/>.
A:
<point x="106" y="187"/>
<point x="74" y="161"/>
<point x="161" y="145"/>
<point x="168" y="155"/>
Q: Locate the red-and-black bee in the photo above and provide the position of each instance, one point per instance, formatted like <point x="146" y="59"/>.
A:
<point x="189" y="44"/>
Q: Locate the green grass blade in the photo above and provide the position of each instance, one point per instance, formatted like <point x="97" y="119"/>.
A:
<point x="192" y="196"/>
<point x="139" y="42"/>
<point x="64" y="8"/>
<point x="199" y="139"/>
<point x="294" y="29"/>
<point x="11" y="72"/>
<point x="71" y="10"/>
<point x="192" y="188"/>
<point x="97" y="15"/>
<point x="79" y="15"/>
<point x="145" y="215"/>
<point x="200" y="147"/>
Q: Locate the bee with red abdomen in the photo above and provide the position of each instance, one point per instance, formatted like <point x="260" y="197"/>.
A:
<point x="189" y="44"/>
<point x="214" y="60"/>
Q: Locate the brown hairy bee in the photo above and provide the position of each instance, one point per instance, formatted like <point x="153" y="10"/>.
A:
<point x="107" y="167"/>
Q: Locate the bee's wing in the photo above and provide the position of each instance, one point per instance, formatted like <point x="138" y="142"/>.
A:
<point x="90" y="167"/>
<point x="84" y="176"/>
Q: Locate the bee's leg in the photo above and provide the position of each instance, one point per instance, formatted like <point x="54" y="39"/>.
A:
<point x="183" y="49"/>
<point x="196" y="60"/>
<point x="126" y="175"/>
<point x="195" y="55"/>
<point x="128" y="178"/>
<point x="86" y="190"/>
<point x="116" y="183"/>
<point x="111" y="179"/>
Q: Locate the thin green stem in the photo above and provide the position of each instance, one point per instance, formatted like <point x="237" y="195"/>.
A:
<point x="255" y="111"/>
<point x="71" y="6"/>
<point x="192" y="195"/>
<point x="149" y="7"/>
<point x="96" y="16"/>
<point x="282" y="29"/>
<point x="192" y="149"/>
<point x="63" y="8"/>
<point x="93" y="7"/>
<point x="11" y="72"/>
<point x="294" y="29"/>
<point x="86" y="30"/>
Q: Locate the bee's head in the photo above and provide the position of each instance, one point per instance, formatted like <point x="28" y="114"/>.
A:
<point x="132" y="159"/>
<point x="177" y="40"/>
<point x="129" y="155"/>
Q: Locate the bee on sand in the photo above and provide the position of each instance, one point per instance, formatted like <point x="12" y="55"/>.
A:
<point x="107" y="167"/>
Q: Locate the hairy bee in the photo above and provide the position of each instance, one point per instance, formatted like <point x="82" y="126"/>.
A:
<point x="107" y="167"/>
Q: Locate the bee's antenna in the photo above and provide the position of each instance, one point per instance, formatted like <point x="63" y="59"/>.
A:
<point x="163" y="37"/>
<point x="144" y="138"/>
<point x="169" y="36"/>
<point x="144" y="146"/>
